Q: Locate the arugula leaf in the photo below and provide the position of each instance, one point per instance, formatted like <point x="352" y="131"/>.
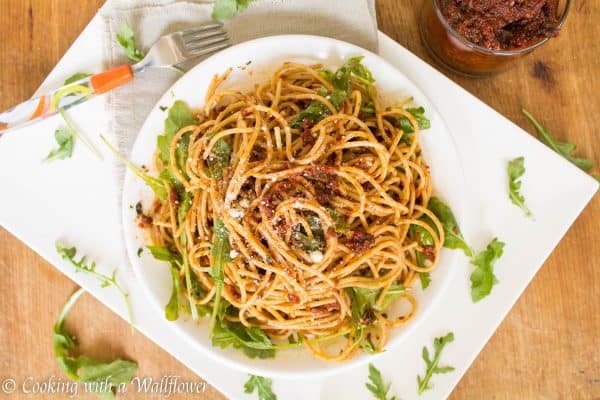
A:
<point x="483" y="278"/>
<point x="432" y="365"/>
<point x="226" y="9"/>
<point x="220" y="253"/>
<point x="424" y="277"/>
<point x="421" y="234"/>
<point x="516" y="169"/>
<point x="394" y="292"/>
<point x="172" y="307"/>
<point x="377" y="387"/>
<point x="218" y="159"/>
<point x="340" y="80"/>
<point x="115" y="373"/>
<point x="126" y="39"/>
<point x="422" y="120"/>
<point x="262" y="386"/>
<point x="69" y="253"/>
<point x="454" y="238"/>
<point x="363" y="302"/>
<point x="368" y="108"/>
<point x="252" y="341"/>
<point x="314" y="112"/>
<point x="65" y="140"/>
<point x="184" y="207"/>
<point x="198" y="292"/>
<point x="76" y="77"/>
<point x="353" y="66"/>
<point x="164" y="254"/>
<point x="404" y="123"/>
<point x="195" y="291"/>
<point x="156" y="184"/>
<point x="563" y="148"/>
<point x="357" y="69"/>
<point x="161" y="253"/>
<point x="85" y="369"/>
<point x="185" y="266"/>
<point x="179" y="116"/>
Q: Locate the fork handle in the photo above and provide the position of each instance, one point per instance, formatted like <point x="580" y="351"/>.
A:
<point x="65" y="97"/>
<point x="108" y="80"/>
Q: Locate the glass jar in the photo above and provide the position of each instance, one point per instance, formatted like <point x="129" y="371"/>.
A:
<point x="453" y="51"/>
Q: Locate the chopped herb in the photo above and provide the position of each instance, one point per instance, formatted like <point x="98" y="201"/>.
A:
<point x="139" y="251"/>
<point x="516" y="169"/>
<point x="69" y="253"/>
<point x="483" y="278"/>
<point x="563" y="148"/>
<point x="432" y="365"/>
<point x="454" y="238"/>
<point x="76" y="77"/>
<point x="85" y="369"/>
<point x="376" y="386"/>
<point x="340" y="224"/>
<point x="220" y="256"/>
<point x="262" y="386"/>
<point x="163" y="108"/>
<point x="306" y="243"/>
<point x="126" y="39"/>
<point x="218" y="159"/>
<point x="65" y="140"/>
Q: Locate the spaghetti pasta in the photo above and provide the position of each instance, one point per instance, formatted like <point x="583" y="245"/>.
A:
<point x="298" y="211"/>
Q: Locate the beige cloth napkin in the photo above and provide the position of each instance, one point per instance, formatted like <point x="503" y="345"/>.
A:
<point x="349" y="20"/>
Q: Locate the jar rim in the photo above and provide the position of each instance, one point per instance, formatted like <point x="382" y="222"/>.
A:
<point x="472" y="45"/>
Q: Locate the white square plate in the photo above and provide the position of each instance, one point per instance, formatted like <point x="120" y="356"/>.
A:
<point x="77" y="201"/>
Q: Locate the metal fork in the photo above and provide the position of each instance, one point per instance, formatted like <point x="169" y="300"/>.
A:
<point x="168" y="51"/>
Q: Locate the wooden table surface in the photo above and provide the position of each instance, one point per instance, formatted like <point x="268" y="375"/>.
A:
<point x="546" y="348"/>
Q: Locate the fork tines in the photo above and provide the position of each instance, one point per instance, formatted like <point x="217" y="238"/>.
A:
<point x="205" y="39"/>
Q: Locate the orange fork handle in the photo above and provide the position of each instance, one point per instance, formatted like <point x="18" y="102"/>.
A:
<point x="108" y="80"/>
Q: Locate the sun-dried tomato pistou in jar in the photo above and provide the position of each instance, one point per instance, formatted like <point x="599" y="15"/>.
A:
<point x="479" y="37"/>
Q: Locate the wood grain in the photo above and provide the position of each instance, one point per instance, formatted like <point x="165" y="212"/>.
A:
<point x="547" y="347"/>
